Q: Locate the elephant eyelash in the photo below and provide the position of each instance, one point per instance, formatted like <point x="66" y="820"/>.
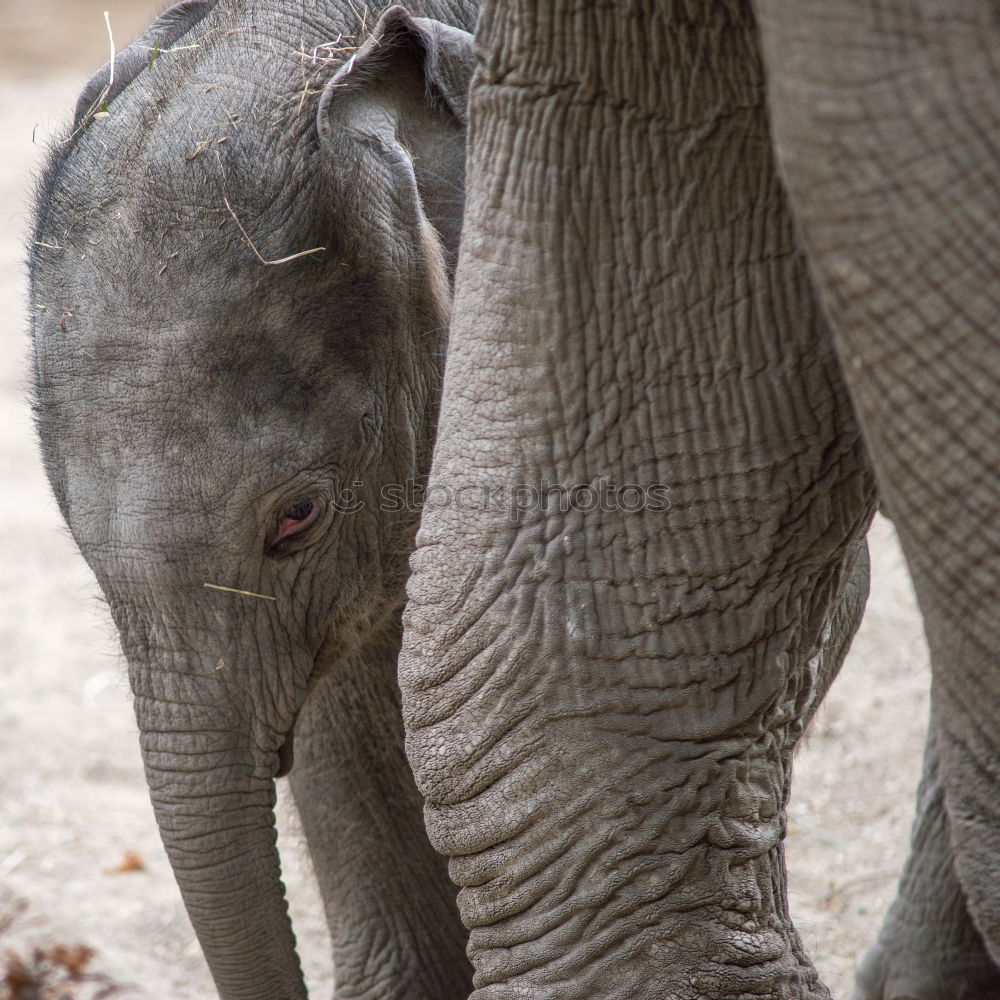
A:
<point x="293" y="523"/>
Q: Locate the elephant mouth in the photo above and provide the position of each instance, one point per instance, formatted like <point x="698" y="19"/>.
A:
<point x="286" y="755"/>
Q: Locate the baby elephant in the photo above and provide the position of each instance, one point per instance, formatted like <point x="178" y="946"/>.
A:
<point x="241" y="272"/>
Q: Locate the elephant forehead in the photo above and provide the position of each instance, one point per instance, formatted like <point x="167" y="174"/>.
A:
<point x="170" y="379"/>
<point x="226" y="351"/>
<point x="172" y="418"/>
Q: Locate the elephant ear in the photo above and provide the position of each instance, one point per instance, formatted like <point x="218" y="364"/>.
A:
<point x="403" y="97"/>
<point x="104" y="85"/>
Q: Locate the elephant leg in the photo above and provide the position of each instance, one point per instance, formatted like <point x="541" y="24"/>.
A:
<point x="390" y="905"/>
<point x="928" y="948"/>
<point x="602" y="696"/>
<point x="885" y="116"/>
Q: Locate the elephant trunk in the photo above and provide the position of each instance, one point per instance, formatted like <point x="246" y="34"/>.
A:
<point x="213" y="795"/>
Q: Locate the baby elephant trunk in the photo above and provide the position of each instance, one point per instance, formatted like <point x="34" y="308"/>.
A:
<point x="213" y="795"/>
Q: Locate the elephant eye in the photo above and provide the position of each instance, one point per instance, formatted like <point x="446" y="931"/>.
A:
<point x="293" y="520"/>
<point x="300" y="510"/>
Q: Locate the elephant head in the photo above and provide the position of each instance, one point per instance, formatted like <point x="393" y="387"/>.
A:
<point x="240" y="274"/>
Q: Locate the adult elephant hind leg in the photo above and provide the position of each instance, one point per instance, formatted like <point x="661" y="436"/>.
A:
<point x="389" y="903"/>
<point x="602" y="698"/>
<point x="885" y="117"/>
<point x="928" y="948"/>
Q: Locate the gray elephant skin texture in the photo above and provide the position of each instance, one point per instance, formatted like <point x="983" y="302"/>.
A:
<point x="243" y="271"/>
<point x="241" y="275"/>
<point x="602" y="706"/>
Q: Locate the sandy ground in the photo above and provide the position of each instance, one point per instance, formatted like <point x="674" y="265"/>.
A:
<point x="72" y="797"/>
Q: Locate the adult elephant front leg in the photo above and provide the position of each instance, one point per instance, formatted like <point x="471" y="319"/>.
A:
<point x="885" y="116"/>
<point x="603" y="687"/>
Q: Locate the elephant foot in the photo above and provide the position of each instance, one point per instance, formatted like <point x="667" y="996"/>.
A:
<point x="899" y="974"/>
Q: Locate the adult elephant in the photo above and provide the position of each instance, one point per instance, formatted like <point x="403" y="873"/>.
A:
<point x="885" y="118"/>
<point x="602" y="702"/>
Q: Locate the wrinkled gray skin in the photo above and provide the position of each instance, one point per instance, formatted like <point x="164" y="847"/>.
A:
<point x="885" y="122"/>
<point x="190" y="398"/>
<point x="602" y="706"/>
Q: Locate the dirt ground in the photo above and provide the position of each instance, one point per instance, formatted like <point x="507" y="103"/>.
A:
<point x="72" y="798"/>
